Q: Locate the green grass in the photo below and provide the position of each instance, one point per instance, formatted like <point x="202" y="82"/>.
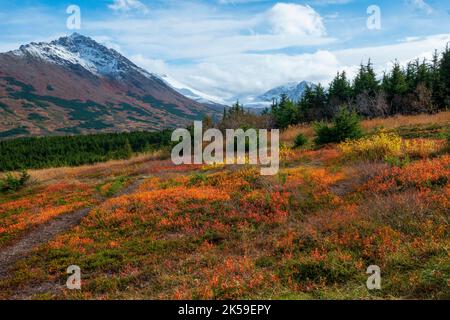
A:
<point x="113" y="186"/>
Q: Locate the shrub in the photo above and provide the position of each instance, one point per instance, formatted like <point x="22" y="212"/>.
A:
<point x="346" y="125"/>
<point x="300" y="141"/>
<point x="421" y="175"/>
<point x="13" y="182"/>
<point x="197" y="179"/>
<point x="448" y="141"/>
<point x="398" y="161"/>
<point x="389" y="147"/>
<point x="378" y="147"/>
<point x="421" y="148"/>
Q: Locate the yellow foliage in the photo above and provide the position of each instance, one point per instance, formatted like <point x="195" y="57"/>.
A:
<point x="376" y="147"/>
<point x="421" y="147"/>
<point x="384" y="145"/>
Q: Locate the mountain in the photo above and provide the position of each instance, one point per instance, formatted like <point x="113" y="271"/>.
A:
<point x="294" y="91"/>
<point x="190" y="92"/>
<point x="75" y="85"/>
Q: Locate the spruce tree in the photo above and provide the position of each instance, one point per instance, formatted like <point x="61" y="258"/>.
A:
<point x="340" y="92"/>
<point x="396" y="87"/>
<point x="366" y="81"/>
<point x="444" y="73"/>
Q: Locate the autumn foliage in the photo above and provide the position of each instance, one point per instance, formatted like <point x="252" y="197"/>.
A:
<point x="226" y="232"/>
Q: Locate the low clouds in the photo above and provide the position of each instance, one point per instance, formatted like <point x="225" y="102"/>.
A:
<point x="228" y="55"/>
<point x="247" y="74"/>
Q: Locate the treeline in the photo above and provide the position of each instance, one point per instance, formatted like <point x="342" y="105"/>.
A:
<point x="46" y="152"/>
<point x="421" y="87"/>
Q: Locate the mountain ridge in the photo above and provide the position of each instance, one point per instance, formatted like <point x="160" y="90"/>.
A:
<point x="76" y="85"/>
<point x="294" y="91"/>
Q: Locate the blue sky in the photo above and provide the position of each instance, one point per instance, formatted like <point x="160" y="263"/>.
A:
<point x="230" y="48"/>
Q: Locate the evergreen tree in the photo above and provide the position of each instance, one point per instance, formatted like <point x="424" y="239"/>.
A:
<point x="320" y="104"/>
<point x="395" y="87"/>
<point x="436" y="83"/>
<point x="366" y="81"/>
<point x="340" y="92"/>
<point x="285" y="112"/>
<point x="306" y="105"/>
<point x="127" y="151"/>
<point x="37" y="153"/>
<point x="444" y="74"/>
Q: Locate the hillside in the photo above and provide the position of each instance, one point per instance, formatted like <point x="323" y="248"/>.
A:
<point x="75" y="85"/>
<point x="146" y="229"/>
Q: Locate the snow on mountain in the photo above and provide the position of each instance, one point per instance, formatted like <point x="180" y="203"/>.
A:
<point x="293" y="90"/>
<point x="191" y="93"/>
<point x="101" y="61"/>
<point x="80" y="50"/>
<point x="88" y="88"/>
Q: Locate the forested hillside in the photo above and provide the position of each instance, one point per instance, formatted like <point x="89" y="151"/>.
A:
<point x="36" y="153"/>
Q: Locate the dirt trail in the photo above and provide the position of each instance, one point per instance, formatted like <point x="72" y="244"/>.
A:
<point x="45" y="232"/>
<point x="38" y="236"/>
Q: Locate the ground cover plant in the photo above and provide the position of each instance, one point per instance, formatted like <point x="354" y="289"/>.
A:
<point x="226" y="232"/>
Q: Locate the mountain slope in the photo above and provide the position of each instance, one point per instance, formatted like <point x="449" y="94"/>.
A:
<point x="293" y="90"/>
<point x="191" y="93"/>
<point x="75" y="85"/>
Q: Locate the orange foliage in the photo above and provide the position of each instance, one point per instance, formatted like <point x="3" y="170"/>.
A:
<point x="43" y="206"/>
<point x="422" y="175"/>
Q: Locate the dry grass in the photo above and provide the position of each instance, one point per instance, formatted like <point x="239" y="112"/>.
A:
<point x="288" y="135"/>
<point x="110" y="168"/>
<point x="401" y="121"/>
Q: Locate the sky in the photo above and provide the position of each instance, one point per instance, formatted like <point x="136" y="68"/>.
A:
<point x="238" y="48"/>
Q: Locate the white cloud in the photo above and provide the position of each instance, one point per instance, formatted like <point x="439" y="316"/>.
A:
<point x="199" y="33"/>
<point x="128" y="5"/>
<point x="327" y="2"/>
<point x="295" y="19"/>
<point x="229" y="55"/>
<point x="247" y="74"/>
<point x="238" y="1"/>
<point x="157" y="66"/>
<point x="383" y="56"/>
<point x="420" y="5"/>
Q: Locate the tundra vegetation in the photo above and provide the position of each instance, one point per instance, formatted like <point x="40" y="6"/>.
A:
<point x="226" y="232"/>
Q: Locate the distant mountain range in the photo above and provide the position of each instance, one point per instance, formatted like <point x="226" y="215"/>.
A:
<point x="294" y="91"/>
<point x="75" y="85"/>
<point x="192" y="93"/>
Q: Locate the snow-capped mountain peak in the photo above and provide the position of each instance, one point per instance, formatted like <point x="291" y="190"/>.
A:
<point x="83" y="51"/>
<point x="293" y="90"/>
<point x="99" y="60"/>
